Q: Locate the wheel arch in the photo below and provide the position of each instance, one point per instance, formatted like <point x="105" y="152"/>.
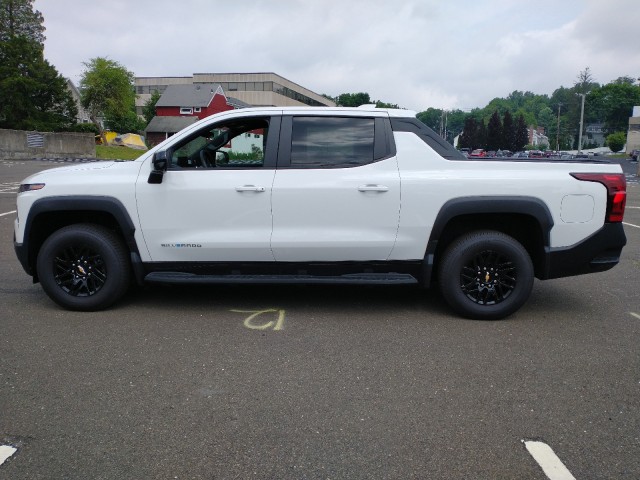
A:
<point x="527" y="219"/>
<point x="48" y="215"/>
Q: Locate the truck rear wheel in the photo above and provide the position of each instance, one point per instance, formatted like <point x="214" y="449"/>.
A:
<point x="486" y="275"/>
<point x="83" y="267"/>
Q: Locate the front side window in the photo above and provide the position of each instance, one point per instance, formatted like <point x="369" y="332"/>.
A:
<point x="234" y="144"/>
<point x="332" y="141"/>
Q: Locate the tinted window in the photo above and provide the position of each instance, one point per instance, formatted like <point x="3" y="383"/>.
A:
<point x="331" y="142"/>
<point x="233" y="144"/>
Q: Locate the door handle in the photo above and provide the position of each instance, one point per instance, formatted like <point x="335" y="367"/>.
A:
<point x="373" y="188"/>
<point x="249" y="188"/>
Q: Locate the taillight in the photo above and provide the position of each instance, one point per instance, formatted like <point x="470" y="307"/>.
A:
<point x="616" y="186"/>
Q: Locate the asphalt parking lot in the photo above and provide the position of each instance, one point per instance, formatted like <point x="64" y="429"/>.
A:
<point x="285" y="382"/>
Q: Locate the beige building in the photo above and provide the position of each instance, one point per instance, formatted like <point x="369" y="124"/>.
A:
<point x="633" y="134"/>
<point x="256" y="89"/>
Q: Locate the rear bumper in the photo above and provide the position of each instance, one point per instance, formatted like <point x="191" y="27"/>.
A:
<point x="600" y="252"/>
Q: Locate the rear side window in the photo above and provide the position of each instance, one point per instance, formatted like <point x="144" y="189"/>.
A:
<point x="428" y="136"/>
<point x="332" y="141"/>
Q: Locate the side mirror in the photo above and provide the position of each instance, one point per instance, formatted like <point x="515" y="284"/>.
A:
<point x="159" y="167"/>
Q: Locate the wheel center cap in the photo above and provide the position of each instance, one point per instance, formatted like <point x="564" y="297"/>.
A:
<point x="81" y="270"/>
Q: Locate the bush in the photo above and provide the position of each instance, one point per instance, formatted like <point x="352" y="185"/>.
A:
<point x="84" y="128"/>
<point x="616" y="141"/>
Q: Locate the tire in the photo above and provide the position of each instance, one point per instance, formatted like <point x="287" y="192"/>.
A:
<point x="486" y="275"/>
<point x="83" y="267"/>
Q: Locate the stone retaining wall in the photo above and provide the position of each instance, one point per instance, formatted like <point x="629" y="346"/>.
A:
<point x="20" y="144"/>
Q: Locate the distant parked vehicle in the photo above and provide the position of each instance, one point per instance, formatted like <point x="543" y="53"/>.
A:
<point x="536" y="154"/>
<point x="478" y="152"/>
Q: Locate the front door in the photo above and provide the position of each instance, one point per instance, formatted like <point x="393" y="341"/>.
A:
<point x="214" y="202"/>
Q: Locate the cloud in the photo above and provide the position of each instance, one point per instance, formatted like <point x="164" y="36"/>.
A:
<point x="416" y="53"/>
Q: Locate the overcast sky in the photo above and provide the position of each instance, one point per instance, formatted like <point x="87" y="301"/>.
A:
<point x="416" y="53"/>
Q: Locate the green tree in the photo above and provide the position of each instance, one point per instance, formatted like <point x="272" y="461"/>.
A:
<point x="522" y="134"/>
<point x="614" y="103"/>
<point x="19" y="19"/>
<point x="616" y="141"/>
<point x="494" y="132"/>
<point x="107" y="91"/>
<point x="127" y="122"/>
<point x="431" y="117"/>
<point x="481" y="136"/>
<point x="381" y="104"/>
<point x="469" y="135"/>
<point x="585" y="83"/>
<point x="508" y="133"/>
<point x="353" y="99"/>
<point x="34" y="95"/>
<point x="149" y="109"/>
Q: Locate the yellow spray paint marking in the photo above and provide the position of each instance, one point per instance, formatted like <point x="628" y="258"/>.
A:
<point x="276" y="324"/>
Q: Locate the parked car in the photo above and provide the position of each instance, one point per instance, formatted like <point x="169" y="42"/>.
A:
<point x="478" y="152"/>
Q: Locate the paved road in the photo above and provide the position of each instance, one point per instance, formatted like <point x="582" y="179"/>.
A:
<point x="326" y="382"/>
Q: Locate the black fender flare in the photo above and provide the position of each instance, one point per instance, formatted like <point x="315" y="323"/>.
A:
<point x="77" y="203"/>
<point x="479" y="205"/>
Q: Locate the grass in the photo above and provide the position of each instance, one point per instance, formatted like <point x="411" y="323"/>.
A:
<point x="117" y="153"/>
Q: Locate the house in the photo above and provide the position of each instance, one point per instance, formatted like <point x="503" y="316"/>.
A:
<point x="182" y="105"/>
<point x="595" y="133"/>
<point x="83" y="114"/>
<point x="537" y="138"/>
<point x="161" y="128"/>
<point x="198" y="100"/>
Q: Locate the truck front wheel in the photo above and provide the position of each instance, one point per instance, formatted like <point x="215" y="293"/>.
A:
<point x="486" y="275"/>
<point x="83" y="267"/>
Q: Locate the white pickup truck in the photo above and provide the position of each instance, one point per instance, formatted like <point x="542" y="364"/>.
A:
<point x="318" y="195"/>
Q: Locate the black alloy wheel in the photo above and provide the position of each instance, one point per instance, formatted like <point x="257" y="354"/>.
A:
<point x="486" y="275"/>
<point x="84" y="267"/>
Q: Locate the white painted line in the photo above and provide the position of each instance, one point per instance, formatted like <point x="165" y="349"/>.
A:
<point x="630" y="224"/>
<point x="632" y="207"/>
<point x="552" y="466"/>
<point x="7" y="213"/>
<point x="634" y="315"/>
<point x="5" y="452"/>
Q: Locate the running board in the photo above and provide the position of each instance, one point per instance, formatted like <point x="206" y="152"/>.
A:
<point x="351" y="278"/>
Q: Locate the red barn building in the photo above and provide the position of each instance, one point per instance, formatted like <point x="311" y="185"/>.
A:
<point x="181" y="105"/>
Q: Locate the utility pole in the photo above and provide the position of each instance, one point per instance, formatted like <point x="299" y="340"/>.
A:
<point x="558" y="131"/>
<point x="581" y="122"/>
<point x="445" y="124"/>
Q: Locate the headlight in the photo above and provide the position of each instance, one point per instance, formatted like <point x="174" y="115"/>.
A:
<point x="30" y="187"/>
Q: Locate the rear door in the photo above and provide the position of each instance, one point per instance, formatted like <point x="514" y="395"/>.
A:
<point x="336" y="193"/>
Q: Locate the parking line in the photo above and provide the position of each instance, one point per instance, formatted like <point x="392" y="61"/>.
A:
<point x="630" y="224"/>
<point x="5" y="452"/>
<point x="634" y="315"/>
<point x="552" y="466"/>
<point x="7" y="213"/>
